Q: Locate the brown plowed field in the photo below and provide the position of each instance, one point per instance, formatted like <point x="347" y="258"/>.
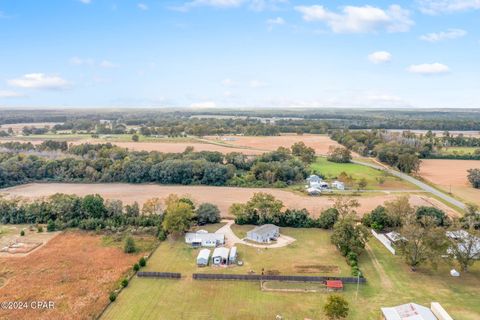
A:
<point x="73" y="270"/>
<point x="321" y="143"/>
<point x="223" y="197"/>
<point x="452" y="174"/>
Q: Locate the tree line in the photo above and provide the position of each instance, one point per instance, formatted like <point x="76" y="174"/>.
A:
<point x="51" y="161"/>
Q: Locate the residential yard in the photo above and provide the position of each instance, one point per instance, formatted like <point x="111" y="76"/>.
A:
<point x="389" y="282"/>
<point x="376" y="179"/>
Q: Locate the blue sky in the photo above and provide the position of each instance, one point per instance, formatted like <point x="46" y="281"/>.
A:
<point x="239" y="53"/>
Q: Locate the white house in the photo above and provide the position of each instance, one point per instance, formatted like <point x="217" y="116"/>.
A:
<point x="265" y="233"/>
<point x="314" y="179"/>
<point x="338" y="185"/>
<point x="203" y="258"/>
<point x="409" y="311"/>
<point x="319" y="185"/>
<point x="204" y="239"/>
<point x="220" y="256"/>
<point x="466" y="242"/>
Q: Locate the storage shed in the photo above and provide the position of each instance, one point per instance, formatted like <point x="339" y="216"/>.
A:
<point x="232" y="257"/>
<point x="220" y="256"/>
<point x="203" y="258"/>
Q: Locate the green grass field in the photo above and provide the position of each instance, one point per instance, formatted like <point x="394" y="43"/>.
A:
<point x="331" y="170"/>
<point x="389" y="283"/>
<point x="458" y="150"/>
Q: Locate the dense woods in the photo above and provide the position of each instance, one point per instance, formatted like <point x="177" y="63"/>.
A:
<point x="50" y="161"/>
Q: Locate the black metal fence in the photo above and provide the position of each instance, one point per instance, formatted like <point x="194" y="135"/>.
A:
<point x="255" y="277"/>
<point x="151" y="274"/>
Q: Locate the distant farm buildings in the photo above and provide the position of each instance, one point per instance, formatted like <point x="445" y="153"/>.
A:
<point x="264" y="234"/>
<point x="316" y="185"/>
<point x="203" y="238"/>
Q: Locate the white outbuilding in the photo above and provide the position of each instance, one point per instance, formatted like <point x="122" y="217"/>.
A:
<point x="203" y="258"/>
<point x="220" y="256"/>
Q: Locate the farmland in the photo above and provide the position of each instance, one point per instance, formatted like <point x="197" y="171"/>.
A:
<point x="223" y="197"/>
<point x="452" y="175"/>
<point x="75" y="270"/>
<point x="389" y="282"/>
<point x="376" y="179"/>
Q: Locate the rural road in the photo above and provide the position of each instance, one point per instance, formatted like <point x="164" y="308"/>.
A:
<point x="416" y="182"/>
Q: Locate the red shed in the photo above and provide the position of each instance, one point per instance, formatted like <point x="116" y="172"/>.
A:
<point x="334" y="285"/>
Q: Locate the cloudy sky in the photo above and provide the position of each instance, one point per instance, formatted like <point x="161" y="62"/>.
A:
<point x="239" y="53"/>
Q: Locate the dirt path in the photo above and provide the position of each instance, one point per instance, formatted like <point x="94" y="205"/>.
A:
<point x="385" y="280"/>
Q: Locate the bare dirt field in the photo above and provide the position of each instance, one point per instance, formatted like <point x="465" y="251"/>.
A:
<point x="74" y="271"/>
<point x="321" y="143"/>
<point x="223" y="197"/>
<point x="451" y="174"/>
<point x="177" y="147"/>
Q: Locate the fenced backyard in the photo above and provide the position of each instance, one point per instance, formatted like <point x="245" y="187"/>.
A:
<point x="257" y="277"/>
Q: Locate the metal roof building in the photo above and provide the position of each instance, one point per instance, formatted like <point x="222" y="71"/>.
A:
<point x="203" y="257"/>
<point x="409" y="311"/>
<point x="202" y="239"/>
<point x="264" y="233"/>
<point x="220" y="255"/>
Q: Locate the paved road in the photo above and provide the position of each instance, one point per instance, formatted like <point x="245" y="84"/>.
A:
<point x="416" y="182"/>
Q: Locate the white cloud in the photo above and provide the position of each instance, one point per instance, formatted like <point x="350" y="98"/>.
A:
<point x="223" y="4"/>
<point x="85" y="1"/>
<point x="444" y="35"/>
<point x="380" y="57"/>
<point x="278" y="21"/>
<point x="255" y="5"/>
<point x="10" y="94"/>
<point x="107" y="64"/>
<point x="142" y="6"/>
<point x="228" y="82"/>
<point x="203" y="105"/>
<point x="447" y="6"/>
<point x="257" y="84"/>
<point x="39" y="81"/>
<point x="364" y="19"/>
<point x="429" y="68"/>
<point x="77" y="61"/>
<point x="82" y="62"/>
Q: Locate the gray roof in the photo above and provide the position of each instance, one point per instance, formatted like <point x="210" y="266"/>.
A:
<point x="265" y="229"/>
<point x="204" y="254"/>
<point x="191" y="237"/>
<point x="409" y="311"/>
<point x="220" y="252"/>
<point x="233" y="252"/>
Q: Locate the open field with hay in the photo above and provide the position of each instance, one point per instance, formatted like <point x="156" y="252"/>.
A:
<point x="223" y="197"/>
<point x="75" y="270"/>
<point x="451" y="175"/>
<point x="389" y="283"/>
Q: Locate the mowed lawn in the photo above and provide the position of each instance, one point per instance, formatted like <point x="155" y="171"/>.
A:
<point x="331" y="170"/>
<point x="389" y="283"/>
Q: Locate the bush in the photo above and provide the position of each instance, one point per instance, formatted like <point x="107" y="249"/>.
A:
<point x="136" y="267"/>
<point x="336" y="307"/>
<point x="142" y="262"/>
<point x="113" y="296"/>
<point x="328" y="218"/>
<point x="124" y="283"/>
<point x="129" y="245"/>
<point x="51" y="226"/>
<point x="40" y="229"/>
<point x="162" y="235"/>
<point x="22" y="233"/>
